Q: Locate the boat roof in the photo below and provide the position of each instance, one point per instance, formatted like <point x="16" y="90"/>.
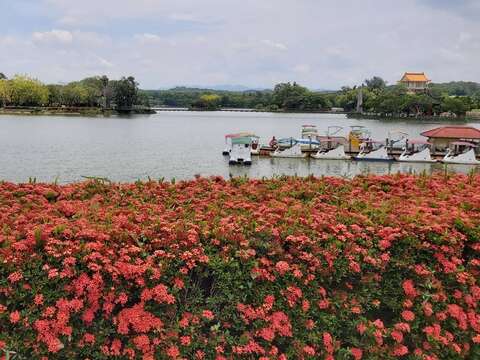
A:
<point x="463" y="143"/>
<point x="373" y="141"/>
<point x="241" y="140"/>
<point x="331" y="138"/>
<point x="453" y="132"/>
<point x="240" y="134"/>
<point x="299" y="140"/>
<point x="419" y="142"/>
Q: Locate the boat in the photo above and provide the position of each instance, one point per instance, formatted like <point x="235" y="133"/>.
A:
<point x="337" y="153"/>
<point x="332" y="147"/>
<point x="372" y="150"/>
<point x="417" y="151"/>
<point x="304" y="143"/>
<point x="241" y="152"/>
<point x="397" y="140"/>
<point x="294" y="151"/>
<point x="255" y="150"/>
<point x="309" y="132"/>
<point x="228" y="140"/>
<point x="461" y="152"/>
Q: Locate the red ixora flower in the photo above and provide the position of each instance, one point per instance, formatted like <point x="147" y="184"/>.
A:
<point x="15" y="317"/>
<point x="408" y="315"/>
<point x="282" y="267"/>
<point x="208" y="314"/>
<point x="356" y="353"/>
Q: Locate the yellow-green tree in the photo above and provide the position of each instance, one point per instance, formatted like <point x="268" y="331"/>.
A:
<point x="208" y="102"/>
<point x="4" y="92"/>
<point x="26" y="91"/>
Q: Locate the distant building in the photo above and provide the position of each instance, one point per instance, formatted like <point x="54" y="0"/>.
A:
<point x="415" y="82"/>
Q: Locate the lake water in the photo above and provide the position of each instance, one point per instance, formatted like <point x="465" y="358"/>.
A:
<point x="175" y="145"/>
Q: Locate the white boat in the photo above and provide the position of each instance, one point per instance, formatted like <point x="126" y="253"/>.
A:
<point x="461" y="152"/>
<point x="229" y="137"/>
<point x="255" y="145"/>
<point x="337" y="153"/>
<point x="373" y="151"/>
<point x="241" y="152"/>
<point x="293" y="152"/>
<point x="417" y="151"/>
<point x="332" y="147"/>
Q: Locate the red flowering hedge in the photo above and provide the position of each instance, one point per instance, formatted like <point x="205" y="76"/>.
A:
<point x="290" y="268"/>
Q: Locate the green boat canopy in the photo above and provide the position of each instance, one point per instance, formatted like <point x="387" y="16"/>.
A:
<point x="244" y="140"/>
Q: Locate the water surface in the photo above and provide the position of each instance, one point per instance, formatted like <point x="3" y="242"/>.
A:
<point x="175" y="145"/>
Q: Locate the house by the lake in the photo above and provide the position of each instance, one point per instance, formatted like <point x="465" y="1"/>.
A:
<point x="442" y="137"/>
<point x="415" y="82"/>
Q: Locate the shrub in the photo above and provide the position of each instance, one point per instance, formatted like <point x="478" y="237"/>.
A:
<point x="290" y="268"/>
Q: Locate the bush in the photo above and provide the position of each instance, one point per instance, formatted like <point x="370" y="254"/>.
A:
<point x="290" y="268"/>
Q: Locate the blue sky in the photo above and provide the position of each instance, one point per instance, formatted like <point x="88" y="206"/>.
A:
<point x="321" y="44"/>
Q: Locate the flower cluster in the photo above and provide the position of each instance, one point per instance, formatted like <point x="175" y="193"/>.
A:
<point x="378" y="267"/>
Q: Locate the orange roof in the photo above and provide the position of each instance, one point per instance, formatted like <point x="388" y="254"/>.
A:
<point x="411" y="76"/>
<point x="453" y="132"/>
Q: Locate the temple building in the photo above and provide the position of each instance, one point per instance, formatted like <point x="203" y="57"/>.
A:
<point x="415" y="82"/>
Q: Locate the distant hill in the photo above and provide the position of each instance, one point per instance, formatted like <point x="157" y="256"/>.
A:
<point x="229" y="88"/>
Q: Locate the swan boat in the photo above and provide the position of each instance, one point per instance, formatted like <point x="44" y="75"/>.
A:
<point x="293" y="152"/>
<point x="462" y="153"/>
<point x="308" y="143"/>
<point x="373" y="151"/>
<point x="417" y="151"/>
<point x="332" y="147"/>
<point x="337" y="153"/>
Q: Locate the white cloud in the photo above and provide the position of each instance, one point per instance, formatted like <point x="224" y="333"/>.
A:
<point x="275" y="45"/>
<point x="320" y="43"/>
<point x="302" y="68"/>
<point x="59" y="36"/>
<point x="147" y="38"/>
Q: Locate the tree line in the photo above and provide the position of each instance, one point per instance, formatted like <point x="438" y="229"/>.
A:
<point x="97" y="92"/>
<point x="378" y="98"/>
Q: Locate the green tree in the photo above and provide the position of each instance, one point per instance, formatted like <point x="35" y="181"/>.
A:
<point x="75" y="94"/>
<point x="456" y="105"/>
<point x="289" y="96"/>
<point x="26" y="91"/>
<point x="55" y="95"/>
<point x="125" y="93"/>
<point x="2" y="76"/>
<point x="376" y="83"/>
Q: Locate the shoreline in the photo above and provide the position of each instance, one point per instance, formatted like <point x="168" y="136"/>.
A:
<point x="98" y="112"/>
<point x="69" y="111"/>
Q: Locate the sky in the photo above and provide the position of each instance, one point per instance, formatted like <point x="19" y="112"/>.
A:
<point x="256" y="43"/>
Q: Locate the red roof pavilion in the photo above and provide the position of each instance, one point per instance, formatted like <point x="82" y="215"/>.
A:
<point x="453" y="132"/>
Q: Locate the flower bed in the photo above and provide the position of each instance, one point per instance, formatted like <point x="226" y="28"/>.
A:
<point x="290" y="268"/>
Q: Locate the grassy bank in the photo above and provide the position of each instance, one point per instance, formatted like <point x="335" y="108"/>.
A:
<point x="291" y="268"/>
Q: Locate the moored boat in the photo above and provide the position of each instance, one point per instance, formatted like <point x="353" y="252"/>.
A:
<point x="255" y="150"/>
<point x="292" y="152"/>
<point x="373" y="151"/>
<point x="229" y="137"/>
<point x="461" y="152"/>
<point x="241" y="152"/>
<point x="305" y="144"/>
<point x="417" y="151"/>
